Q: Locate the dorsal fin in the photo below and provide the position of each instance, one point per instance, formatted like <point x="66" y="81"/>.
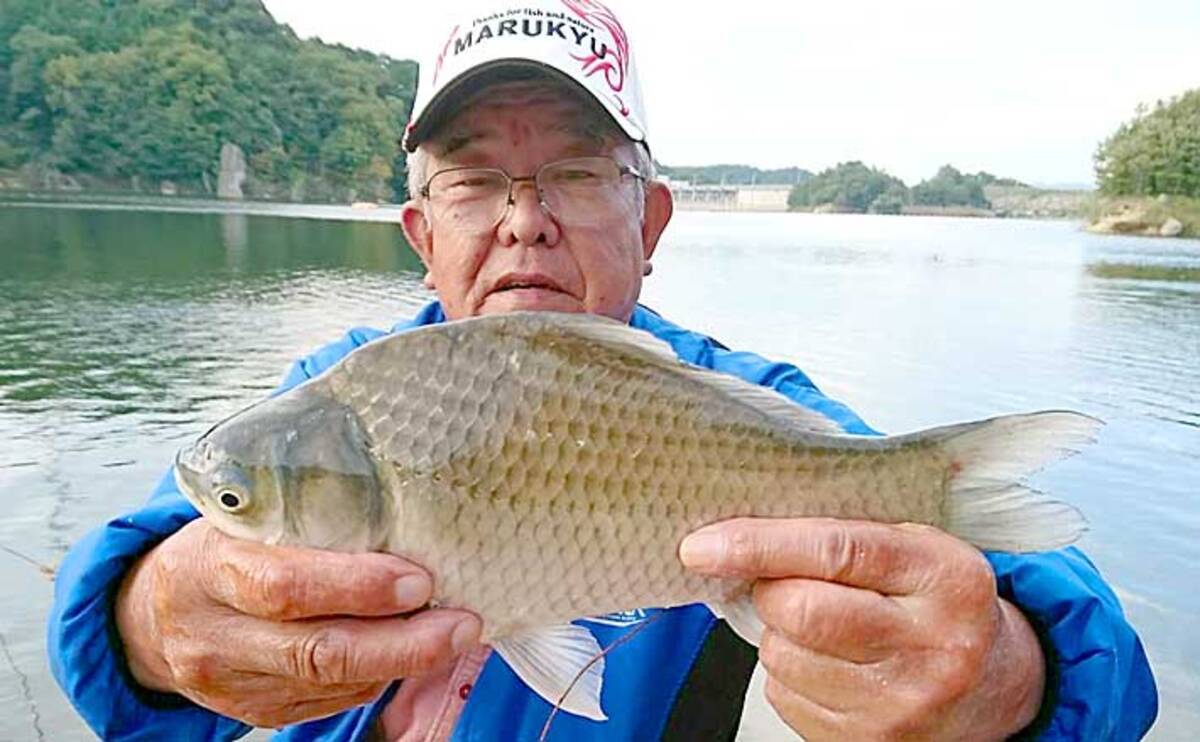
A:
<point x="623" y="339"/>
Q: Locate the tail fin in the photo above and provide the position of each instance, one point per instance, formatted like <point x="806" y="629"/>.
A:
<point x="988" y="506"/>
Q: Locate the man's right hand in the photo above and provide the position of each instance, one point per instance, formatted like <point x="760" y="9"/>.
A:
<point x="274" y="635"/>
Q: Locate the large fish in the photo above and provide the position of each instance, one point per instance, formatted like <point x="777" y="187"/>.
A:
<point x="545" y="467"/>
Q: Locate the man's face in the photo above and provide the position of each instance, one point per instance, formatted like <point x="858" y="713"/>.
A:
<point x="531" y="259"/>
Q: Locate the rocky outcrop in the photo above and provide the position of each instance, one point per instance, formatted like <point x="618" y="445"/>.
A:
<point x="50" y="179"/>
<point x="1171" y="228"/>
<point x="233" y="172"/>
<point x="1024" y="202"/>
<point x="1144" y="217"/>
<point x="1127" y="220"/>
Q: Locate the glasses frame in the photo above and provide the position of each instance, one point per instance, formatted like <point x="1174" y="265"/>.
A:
<point x="622" y="171"/>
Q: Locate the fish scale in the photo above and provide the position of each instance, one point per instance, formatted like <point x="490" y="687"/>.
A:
<point x="546" y="467"/>
<point x="574" y="418"/>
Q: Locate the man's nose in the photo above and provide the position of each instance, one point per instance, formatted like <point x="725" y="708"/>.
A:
<point x="527" y="221"/>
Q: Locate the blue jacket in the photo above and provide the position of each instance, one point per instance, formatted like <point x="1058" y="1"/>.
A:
<point x="1099" y="683"/>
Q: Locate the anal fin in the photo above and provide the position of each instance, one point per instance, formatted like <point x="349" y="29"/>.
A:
<point x="552" y="660"/>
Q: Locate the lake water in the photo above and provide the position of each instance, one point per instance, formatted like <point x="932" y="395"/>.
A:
<point x="126" y="332"/>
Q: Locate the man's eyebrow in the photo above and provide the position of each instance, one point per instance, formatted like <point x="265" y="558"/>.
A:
<point x="581" y="127"/>
<point x="457" y="140"/>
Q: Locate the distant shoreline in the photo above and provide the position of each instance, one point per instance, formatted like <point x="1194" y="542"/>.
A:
<point x="378" y="213"/>
<point x="1174" y="216"/>
<point x="1007" y="202"/>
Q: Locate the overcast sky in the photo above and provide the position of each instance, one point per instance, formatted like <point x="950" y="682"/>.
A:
<point x="1020" y="88"/>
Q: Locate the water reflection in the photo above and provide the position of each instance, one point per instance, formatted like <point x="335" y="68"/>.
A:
<point x="185" y="252"/>
<point x="234" y="229"/>
<point x="118" y="313"/>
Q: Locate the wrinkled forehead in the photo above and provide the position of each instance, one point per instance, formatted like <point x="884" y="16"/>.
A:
<point x="478" y="120"/>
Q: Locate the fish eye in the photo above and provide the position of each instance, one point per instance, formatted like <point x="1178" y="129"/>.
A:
<point x="231" y="489"/>
<point x="232" y="501"/>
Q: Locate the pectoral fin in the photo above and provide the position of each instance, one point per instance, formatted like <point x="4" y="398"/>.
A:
<point x="552" y="660"/>
<point x="741" y="617"/>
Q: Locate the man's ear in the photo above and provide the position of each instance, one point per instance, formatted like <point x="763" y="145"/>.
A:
<point x="418" y="233"/>
<point x="660" y="205"/>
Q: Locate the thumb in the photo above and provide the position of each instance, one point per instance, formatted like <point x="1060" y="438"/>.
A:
<point x="286" y="583"/>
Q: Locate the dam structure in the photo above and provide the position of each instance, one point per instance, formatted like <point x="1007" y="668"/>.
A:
<point x="690" y="197"/>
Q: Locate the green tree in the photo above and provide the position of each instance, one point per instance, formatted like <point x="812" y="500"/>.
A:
<point x="360" y="149"/>
<point x="987" y="179"/>
<point x="850" y="186"/>
<point x="891" y="201"/>
<point x="156" y="110"/>
<point x="1158" y="152"/>
<point x="32" y="50"/>
<point x="153" y="88"/>
<point x="951" y="188"/>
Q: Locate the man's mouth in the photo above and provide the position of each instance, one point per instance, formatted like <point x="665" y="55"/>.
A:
<point x="518" y="281"/>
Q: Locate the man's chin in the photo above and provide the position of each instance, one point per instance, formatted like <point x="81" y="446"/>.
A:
<point x="530" y="300"/>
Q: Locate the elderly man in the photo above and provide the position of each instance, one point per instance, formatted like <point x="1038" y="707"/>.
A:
<point x="533" y="189"/>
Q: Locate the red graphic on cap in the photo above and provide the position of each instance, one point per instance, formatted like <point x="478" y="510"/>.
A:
<point x="437" y="70"/>
<point x="614" y="64"/>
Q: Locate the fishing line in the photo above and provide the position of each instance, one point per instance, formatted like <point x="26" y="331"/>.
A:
<point x="583" y="671"/>
<point x="47" y="571"/>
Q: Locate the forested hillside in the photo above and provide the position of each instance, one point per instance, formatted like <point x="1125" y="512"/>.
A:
<point x="132" y="94"/>
<point x="1157" y="153"/>
<point x="855" y="187"/>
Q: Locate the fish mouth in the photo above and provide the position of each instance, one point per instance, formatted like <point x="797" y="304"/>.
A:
<point x="187" y="477"/>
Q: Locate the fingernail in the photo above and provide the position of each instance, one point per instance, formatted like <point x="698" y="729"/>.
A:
<point x="702" y="550"/>
<point x="466" y="634"/>
<point x="412" y="591"/>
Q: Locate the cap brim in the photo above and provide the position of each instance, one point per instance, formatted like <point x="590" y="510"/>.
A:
<point x="451" y="98"/>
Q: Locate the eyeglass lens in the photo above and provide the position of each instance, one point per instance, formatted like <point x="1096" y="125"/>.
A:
<point x="581" y="191"/>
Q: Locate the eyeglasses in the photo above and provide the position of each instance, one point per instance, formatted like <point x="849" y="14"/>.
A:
<point x="580" y="191"/>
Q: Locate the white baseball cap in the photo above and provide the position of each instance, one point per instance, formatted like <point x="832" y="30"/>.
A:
<point x="503" y="40"/>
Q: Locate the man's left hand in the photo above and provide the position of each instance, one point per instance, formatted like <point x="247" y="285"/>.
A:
<point x="877" y="631"/>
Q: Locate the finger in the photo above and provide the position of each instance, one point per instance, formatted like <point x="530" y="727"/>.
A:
<point x="231" y="663"/>
<point x="261" y="687"/>
<point x="255" y="688"/>
<point x="844" y="622"/>
<point x="355" y="650"/>
<point x="887" y="558"/>
<point x="805" y="716"/>
<point x="832" y="683"/>
<point x="307" y="710"/>
<point x="279" y="714"/>
<point x="284" y="583"/>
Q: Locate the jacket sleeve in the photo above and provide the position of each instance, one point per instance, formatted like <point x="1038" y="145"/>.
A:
<point x="1099" y="683"/>
<point x="85" y="651"/>
<point x="86" y="657"/>
<point x="1098" y="680"/>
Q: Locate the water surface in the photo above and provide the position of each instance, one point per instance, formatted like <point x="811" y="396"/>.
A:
<point x="124" y="333"/>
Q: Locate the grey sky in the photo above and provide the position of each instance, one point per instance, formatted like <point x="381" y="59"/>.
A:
<point x="1023" y="88"/>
